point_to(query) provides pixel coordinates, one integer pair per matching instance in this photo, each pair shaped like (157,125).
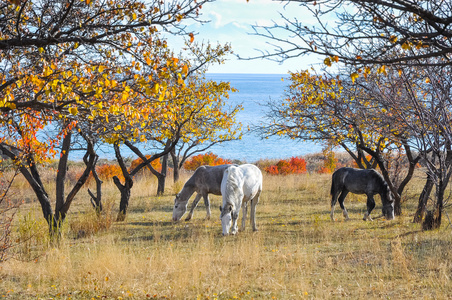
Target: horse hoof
(187,219)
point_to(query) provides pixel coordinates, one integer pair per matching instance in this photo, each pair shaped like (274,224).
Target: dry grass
(297,252)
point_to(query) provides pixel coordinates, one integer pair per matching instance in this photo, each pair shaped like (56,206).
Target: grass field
(297,253)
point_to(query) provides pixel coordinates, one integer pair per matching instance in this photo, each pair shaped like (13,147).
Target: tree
(363,32)
(194,110)
(185,104)
(67,61)
(343,113)
(426,108)
(393,38)
(215,124)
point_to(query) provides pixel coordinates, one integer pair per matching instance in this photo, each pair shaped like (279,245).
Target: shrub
(207,159)
(273,170)
(295,165)
(329,162)
(155,164)
(107,171)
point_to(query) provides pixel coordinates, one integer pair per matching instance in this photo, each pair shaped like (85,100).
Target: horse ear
(230,208)
(221,209)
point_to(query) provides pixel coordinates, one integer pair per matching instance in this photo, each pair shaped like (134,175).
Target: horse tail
(336,185)
(333,189)
(332,186)
(334,182)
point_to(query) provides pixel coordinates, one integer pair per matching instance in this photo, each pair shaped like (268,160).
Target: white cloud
(216,19)
(231,22)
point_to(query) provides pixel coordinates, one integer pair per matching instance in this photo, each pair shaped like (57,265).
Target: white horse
(240,185)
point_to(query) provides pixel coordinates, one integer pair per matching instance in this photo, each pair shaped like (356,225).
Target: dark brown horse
(358,181)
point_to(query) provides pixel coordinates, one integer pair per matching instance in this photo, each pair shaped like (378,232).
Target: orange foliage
(329,163)
(368,158)
(106,172)
(207,159)
(155,164)
(324,170)
(295,165)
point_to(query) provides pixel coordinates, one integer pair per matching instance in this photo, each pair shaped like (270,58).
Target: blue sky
(231,21)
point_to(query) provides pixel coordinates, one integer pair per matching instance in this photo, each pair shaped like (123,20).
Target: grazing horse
(240,185)
(206,180)
(357,181)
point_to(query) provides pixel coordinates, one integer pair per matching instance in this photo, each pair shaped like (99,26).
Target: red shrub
(207,159)
(273,170)
(295,165)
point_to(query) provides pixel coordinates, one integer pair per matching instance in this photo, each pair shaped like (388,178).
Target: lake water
(254,90)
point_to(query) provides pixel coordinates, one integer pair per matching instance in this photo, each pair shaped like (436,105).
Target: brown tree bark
(423,198)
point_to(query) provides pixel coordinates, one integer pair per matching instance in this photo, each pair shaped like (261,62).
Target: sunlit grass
(297,252)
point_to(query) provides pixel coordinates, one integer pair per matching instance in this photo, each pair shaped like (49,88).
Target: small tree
(345,113)
(329,162)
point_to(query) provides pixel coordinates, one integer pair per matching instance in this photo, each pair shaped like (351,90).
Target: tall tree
(67,61)
(183,105)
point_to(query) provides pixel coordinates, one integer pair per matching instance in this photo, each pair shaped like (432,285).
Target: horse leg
(207,204)
(341,203)
(234,227)
(193,206)
(245,210)
(254,202)
(370,207)
(333,203)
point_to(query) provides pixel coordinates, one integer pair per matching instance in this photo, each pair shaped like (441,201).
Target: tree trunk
(124,189)
(433,218)
(96,200)
(31,174)
(60,180)
(161,177)
(176,173)
(423,198)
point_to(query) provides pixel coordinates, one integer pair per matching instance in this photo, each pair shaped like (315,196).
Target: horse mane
(232,183)
(384,186)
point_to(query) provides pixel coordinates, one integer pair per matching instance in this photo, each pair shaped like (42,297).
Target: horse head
(388,205)
(180,207)
(227,213)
